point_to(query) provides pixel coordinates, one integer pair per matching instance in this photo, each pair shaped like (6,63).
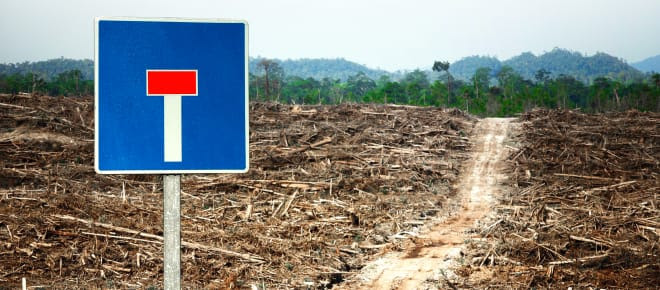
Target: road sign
(171,96)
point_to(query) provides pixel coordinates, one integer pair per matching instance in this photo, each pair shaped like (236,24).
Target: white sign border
(96,95)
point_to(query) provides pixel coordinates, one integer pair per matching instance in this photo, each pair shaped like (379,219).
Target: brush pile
(328,187)
(584,208)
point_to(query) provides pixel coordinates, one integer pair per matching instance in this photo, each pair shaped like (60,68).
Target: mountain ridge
(650,64)
(319,68)
(557,61)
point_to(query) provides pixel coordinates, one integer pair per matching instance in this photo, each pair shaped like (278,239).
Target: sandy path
(435,250)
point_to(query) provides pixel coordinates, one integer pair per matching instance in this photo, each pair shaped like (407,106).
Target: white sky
(383,34)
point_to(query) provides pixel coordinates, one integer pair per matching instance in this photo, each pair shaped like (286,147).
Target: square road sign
(171,96)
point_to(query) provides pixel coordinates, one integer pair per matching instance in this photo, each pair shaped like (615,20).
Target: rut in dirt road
(434,250)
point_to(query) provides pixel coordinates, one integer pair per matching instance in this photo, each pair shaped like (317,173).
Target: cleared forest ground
(430,257)
(582,210)
(328,188)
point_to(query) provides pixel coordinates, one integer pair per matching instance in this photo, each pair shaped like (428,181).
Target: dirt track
(435,250)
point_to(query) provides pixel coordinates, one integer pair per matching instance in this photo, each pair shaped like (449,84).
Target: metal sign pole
(172,232)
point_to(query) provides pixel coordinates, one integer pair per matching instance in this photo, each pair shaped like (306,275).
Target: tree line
(68,83)
(487,93)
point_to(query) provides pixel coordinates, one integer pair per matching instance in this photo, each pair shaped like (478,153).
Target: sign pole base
(172,232)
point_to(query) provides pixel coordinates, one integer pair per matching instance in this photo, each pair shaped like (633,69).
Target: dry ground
(328,188)
(582,209)
(387,197)
(433,254)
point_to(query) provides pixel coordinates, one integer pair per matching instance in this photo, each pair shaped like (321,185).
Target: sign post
(172,231)
(198,68)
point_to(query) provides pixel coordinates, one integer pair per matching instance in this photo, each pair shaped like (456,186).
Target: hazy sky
(381,34)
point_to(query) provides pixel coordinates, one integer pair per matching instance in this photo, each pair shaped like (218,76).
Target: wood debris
(584,207)
(328,188)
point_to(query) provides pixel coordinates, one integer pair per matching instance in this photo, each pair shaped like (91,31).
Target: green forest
(68,83)
(504,92)
(483,86)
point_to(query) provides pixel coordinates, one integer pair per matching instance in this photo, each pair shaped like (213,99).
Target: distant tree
(416,84)
(266,65)
(67,83)
(383,80)
(503,75)
(302,91)
(600,93)
(273,76)
(358,85)
(15,83)
(3,83)
(326,90)
(337,92)
(76,77)
(481,79)
(437,91)
(656,79)
(393,92)
(493,101)
(254,86)
(542,75)
(379,95)
(38,84)
(440,66)
(510,81)
(567,90)
(444,66)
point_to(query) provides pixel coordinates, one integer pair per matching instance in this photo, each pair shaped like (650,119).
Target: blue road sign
(171,96)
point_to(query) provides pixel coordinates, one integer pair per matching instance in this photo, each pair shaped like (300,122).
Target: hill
(315,68)
(651,64)
(558,61)
(465,68)
(584,68)
(49,69)
(320,68)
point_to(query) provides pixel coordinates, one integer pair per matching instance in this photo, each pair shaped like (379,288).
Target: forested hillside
(321,68)
(556,62)
(651,64)
(49,69)
(465,68)
(316,68)
(481,85)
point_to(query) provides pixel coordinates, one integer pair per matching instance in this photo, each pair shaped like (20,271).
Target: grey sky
(381,34)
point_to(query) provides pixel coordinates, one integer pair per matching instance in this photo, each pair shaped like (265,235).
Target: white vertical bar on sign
(172,115)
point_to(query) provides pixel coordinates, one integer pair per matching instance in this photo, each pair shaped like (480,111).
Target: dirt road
(428,263)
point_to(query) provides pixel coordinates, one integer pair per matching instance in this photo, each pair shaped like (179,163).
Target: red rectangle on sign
(171,82)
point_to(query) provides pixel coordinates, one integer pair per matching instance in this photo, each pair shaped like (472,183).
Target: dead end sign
(171,96)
